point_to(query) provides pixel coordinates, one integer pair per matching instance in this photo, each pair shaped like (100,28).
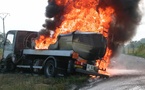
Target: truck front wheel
(9,66)
(50,69)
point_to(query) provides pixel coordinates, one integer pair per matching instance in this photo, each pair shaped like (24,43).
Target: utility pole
(3,16)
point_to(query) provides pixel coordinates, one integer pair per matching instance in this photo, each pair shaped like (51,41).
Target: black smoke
(125,21)
(52,13)
(52,9)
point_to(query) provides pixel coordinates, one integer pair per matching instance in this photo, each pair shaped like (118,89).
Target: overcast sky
(24,14)
(29,15)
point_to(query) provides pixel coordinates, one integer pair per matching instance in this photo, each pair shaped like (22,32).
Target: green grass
(140,53)
(29,82)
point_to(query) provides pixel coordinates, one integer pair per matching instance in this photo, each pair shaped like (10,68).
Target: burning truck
(71,53)
(78,36)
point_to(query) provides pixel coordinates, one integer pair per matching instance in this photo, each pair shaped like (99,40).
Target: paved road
(127,73)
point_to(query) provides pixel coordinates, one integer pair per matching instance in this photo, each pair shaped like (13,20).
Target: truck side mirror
(3,43)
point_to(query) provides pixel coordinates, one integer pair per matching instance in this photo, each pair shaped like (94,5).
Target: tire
(10,66)
(37,62)
(50,69)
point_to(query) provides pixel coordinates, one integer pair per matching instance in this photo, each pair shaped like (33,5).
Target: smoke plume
(126,19)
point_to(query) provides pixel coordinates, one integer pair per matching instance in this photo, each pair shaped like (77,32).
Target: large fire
(79,15)
(82,15)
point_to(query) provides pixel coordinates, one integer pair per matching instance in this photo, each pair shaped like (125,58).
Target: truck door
(8,45)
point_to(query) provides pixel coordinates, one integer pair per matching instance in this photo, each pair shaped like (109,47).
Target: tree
(132,45)
(1,39)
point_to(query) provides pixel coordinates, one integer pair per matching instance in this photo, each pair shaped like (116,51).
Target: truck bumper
(91,73)
(86,72)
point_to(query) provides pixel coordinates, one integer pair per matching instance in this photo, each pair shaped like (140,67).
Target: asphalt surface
(127,73)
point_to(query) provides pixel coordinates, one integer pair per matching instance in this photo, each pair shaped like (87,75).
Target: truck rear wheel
(50,69)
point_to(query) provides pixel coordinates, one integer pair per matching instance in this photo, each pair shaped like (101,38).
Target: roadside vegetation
(26,81)
(136,48)
(140,51)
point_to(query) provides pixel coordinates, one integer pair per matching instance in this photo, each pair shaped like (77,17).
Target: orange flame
(102,64)
(81,15)
(43,42)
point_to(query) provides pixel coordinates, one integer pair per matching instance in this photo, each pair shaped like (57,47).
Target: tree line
(136,48)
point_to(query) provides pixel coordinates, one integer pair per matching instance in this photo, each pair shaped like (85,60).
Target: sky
(30,15)
(24,14)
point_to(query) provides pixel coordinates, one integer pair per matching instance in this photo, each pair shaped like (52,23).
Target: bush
(140,51)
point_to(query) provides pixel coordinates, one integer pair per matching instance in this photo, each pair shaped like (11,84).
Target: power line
(3,16)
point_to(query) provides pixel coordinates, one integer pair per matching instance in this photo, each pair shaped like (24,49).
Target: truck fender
(9,57)
(48,58)
(8,63)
